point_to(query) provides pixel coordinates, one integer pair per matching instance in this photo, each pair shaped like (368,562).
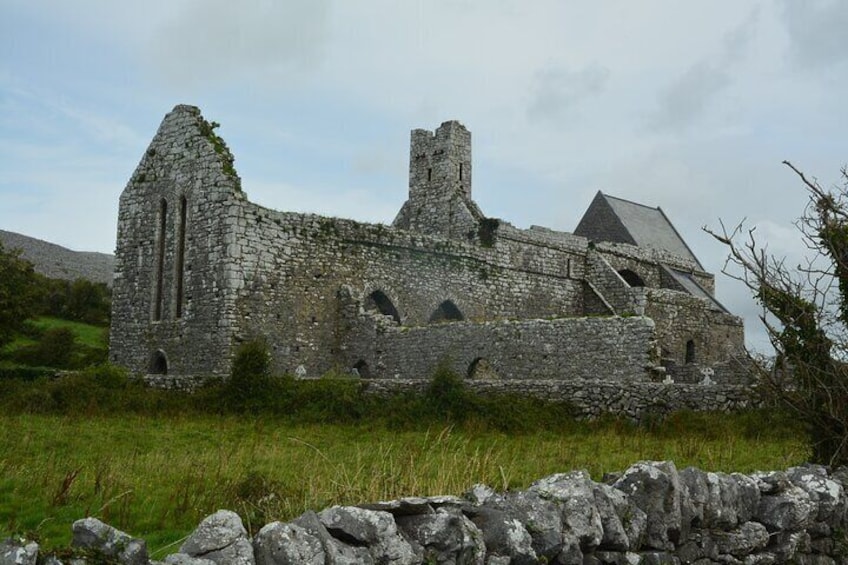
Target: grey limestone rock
(416,505)
(220,538)
(446,537)
(504,536)
(791,510)
(574,493)
(785,545)
(616,558)
(93,534)
(186,559)
(624,524)
(18,552)
(543,520)
(827,494)
(479,494)
(336,552)
(373,529)
(654,487)
(743,540)
(772,482)
(287,544)
(718,500)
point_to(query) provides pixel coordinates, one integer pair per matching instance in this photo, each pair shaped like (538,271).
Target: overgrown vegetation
(805,310)
(220,146)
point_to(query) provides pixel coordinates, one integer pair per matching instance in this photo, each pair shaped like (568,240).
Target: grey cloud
(557,91)
(216,40)
(817,31)
(687,97)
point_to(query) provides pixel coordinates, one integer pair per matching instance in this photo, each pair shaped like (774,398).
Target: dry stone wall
(649,514)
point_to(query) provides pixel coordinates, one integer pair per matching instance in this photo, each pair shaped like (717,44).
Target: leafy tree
(805,311)
(17,292)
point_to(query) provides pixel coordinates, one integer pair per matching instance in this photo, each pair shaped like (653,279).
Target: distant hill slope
(58,262)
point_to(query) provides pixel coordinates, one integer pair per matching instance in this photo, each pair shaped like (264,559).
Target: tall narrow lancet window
(180,262)
(160,261)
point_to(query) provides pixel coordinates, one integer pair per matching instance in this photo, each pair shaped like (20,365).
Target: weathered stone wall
(623,298)
(716,335)
(289,268)
(619,349)
(594,397)
(172,297)
(646,261)
(200,269)
(649,514)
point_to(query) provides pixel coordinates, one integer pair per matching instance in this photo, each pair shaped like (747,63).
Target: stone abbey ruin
(200,269)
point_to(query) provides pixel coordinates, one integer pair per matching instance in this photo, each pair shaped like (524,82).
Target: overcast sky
(683,105)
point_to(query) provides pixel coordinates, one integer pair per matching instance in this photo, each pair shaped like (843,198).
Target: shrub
(250,387)
(447,396)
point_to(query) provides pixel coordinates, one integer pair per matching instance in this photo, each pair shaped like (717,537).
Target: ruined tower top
(440,161)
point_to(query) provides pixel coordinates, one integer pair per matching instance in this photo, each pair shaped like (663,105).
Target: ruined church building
(200,269)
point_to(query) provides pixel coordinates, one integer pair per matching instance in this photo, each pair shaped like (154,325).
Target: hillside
(58,262)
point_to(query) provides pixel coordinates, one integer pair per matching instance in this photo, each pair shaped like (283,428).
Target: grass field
(157,477)
(84,334)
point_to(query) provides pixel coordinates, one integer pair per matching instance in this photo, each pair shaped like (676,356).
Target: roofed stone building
(201,269)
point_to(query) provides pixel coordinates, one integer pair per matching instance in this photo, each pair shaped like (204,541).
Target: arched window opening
(377,301)
(446,312)
(160,260)
(360,368)
(631,278)
(158,363)
(181,236)
(690,351)
(481,369)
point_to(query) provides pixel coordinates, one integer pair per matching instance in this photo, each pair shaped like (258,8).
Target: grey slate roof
(690,285)
(621,221)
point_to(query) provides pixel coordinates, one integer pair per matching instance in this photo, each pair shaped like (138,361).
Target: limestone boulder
(741,541)
(445,536)
(574,494)
(790,510)
(373,529)
(91,533)
(287,544)
(336,552)
(220,538)
(718,500)
(828,495)
(505,537)
(18,552)
(654,487)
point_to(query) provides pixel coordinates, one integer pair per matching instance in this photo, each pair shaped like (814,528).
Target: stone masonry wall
(679,318)
(619,349)
(200,269)
(171,294)
(652,513)
(289,269)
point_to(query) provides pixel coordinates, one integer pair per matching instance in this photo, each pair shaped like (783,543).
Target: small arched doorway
(360,369)
(158,363)
(446,312)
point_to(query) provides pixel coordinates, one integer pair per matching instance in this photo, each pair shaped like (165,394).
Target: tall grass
(154,463)
(156,477)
